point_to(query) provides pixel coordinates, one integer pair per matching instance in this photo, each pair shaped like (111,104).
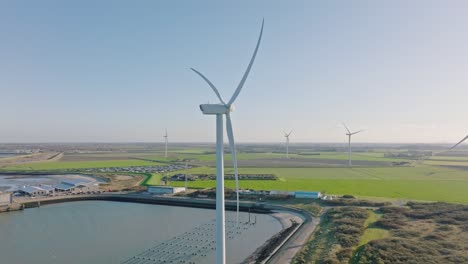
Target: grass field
(447,162)
(60,165)
(417,183)
(201,156)
(454,158)
(372,233)
(428,181)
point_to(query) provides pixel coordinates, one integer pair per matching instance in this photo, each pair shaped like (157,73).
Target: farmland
(417,183)
(63,165)
(437,178)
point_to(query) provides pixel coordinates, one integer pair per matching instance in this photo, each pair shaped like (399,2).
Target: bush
(414,240)
(344,254)
(347,241)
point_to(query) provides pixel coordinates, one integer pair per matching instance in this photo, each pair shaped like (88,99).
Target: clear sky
(73,71)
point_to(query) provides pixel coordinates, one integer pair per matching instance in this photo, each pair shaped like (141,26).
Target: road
(287,252)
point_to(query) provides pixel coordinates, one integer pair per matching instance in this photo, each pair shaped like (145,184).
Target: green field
(447,162)
(201,156)
(417,183)
(60,165)
(427,181)
(370,232)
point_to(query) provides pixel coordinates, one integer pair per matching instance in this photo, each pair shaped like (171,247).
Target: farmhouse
(165,189)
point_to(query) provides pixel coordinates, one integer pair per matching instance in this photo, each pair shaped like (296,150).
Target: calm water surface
(111,232)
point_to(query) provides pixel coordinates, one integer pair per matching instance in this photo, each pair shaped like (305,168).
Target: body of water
(113,232)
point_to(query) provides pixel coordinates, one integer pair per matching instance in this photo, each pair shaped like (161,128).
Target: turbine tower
(165,143)
(186,168)
(349,134)
(286,135)
(461,141)
(221,110)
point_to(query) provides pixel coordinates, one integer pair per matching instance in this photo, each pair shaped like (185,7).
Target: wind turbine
(286,135)
(349,134)
(461,141)
(186,168)
(165,143)
(220,110)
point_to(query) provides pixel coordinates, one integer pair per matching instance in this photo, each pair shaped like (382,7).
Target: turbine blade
(461,141)
(210,84)
(232,145)
(290,132)
(357,132)
(247,71)
(346,128)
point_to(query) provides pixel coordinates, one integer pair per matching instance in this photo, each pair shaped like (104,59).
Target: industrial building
(36,190)
(165,189)
(298,194)
(66,186)
(77,186)
(308,195)
(282,193)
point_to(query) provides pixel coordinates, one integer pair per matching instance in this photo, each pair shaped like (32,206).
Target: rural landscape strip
(337,231)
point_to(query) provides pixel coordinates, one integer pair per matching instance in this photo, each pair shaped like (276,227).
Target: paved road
(296,242)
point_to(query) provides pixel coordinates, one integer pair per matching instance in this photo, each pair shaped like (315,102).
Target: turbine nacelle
(216,109)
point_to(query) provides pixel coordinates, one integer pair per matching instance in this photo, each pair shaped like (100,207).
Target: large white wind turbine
(286,135)
(461,141)
(165,143)
(349,134)
(220,110)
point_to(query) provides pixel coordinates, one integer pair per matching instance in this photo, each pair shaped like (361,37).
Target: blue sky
(119,70)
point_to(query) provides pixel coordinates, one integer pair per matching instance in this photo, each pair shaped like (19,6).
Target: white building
(165,189)
(6,198)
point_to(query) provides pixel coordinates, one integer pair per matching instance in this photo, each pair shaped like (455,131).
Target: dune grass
(371,232)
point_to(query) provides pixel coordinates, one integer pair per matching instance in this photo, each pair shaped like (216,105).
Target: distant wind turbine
(286,135)
(349,134)
(165,143)
(221,110)
(461,141)
(186,169)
